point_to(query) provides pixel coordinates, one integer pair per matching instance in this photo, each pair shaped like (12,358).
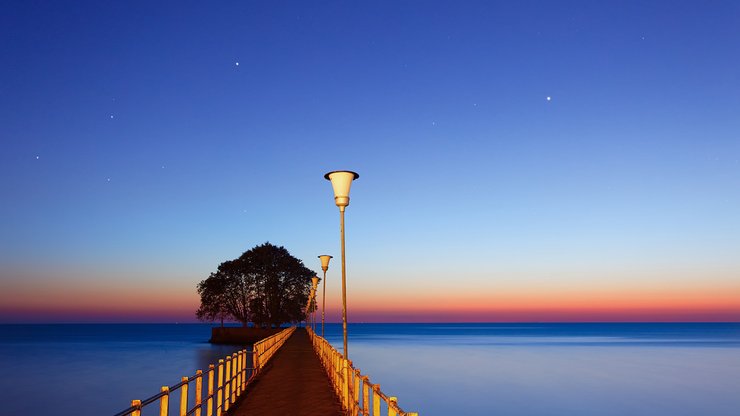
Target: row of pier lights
(341,181)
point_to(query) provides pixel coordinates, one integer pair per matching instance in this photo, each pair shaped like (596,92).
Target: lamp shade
(325,261)
(315,281)
(341,180)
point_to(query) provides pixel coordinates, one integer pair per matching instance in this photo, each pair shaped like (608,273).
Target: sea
(532,369)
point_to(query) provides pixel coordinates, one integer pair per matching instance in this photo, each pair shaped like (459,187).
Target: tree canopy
(266,286)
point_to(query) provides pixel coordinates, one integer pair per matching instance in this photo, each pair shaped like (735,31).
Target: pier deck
(293,384)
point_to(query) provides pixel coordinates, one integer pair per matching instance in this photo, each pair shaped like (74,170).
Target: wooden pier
(294,372)
(294,383)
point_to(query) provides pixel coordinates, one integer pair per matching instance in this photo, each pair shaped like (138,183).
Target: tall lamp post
(341,180)
(324,266)
(315,283)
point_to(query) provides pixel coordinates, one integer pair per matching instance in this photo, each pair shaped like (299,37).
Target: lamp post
(308,310)
(308,307)
(324,266)
(341,180)
(315,283)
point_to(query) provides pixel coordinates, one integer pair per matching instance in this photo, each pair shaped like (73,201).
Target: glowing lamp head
(315,282)
(341,180)
(325,261)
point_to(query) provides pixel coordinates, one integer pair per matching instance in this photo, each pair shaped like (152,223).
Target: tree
(212,304)
(266,285)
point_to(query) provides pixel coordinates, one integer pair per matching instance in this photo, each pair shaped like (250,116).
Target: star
(548,98)
(111,116)
(108,180)
(237,64)
(37,158)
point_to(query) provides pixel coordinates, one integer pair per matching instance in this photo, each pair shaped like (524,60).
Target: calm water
(435,369)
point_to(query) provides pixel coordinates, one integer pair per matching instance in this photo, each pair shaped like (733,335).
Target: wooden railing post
(227,385)
(356,395)
(392,405)
(376,400)
(198,392)
(338,374)
(220,388)
(345,384)
(137,405)
(209,403)
(365,396)
(238,375)
(184,397)
(234,376)
(164,401)
(243,371)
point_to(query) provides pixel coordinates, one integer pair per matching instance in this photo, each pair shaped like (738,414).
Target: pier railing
(358,395)
(225,382)
(265,349)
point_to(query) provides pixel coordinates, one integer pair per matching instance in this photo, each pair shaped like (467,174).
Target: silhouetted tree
(265,285)
(212,305)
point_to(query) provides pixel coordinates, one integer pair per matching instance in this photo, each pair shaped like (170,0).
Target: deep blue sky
(137,154)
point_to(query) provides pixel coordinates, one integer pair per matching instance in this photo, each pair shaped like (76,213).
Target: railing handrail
(350,385)
(232,381)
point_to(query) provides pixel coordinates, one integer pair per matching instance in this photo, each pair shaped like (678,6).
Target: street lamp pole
(341,182)
(324,266)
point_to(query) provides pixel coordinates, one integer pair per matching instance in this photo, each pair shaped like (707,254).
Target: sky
(518,161)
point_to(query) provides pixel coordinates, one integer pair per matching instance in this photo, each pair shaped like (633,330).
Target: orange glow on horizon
(121,301)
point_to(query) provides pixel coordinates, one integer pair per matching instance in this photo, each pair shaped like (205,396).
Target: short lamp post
(324,266)
(341,181)
(308,307)
(315,283)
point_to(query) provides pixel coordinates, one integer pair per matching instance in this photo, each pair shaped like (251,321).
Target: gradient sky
(143,143)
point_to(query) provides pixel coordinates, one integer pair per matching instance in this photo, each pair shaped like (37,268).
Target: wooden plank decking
(294,383)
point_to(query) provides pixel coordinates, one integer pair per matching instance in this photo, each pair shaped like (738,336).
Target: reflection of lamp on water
(315,283)
(324,266)
(341,180)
